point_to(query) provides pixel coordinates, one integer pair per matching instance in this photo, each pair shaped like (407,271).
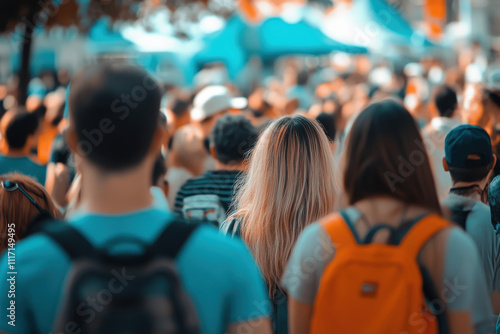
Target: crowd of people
(309,197)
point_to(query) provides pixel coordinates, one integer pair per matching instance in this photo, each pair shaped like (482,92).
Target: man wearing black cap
(470,161)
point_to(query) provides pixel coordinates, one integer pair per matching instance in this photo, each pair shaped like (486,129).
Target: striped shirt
(217,182)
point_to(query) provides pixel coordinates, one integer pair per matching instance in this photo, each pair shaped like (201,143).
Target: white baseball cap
(214,99)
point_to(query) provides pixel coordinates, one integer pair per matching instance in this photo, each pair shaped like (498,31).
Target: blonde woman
(289,185)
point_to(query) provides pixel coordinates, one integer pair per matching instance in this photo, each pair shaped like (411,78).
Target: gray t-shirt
(314,250)
(478,226)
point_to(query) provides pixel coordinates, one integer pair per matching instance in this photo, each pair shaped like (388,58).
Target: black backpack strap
(374,230)
(459,215)
(348,222)
(280,316)
(175,235)
(71,241)
(428,288)
(234,228)
(39,223)
(399,233)
(431,295)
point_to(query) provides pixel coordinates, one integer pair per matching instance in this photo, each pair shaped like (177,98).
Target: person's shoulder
(480,217)
(34,161)
(482,209)
(314,238)
(32,243)
(224,173)
(428,130)
(207,248)
(457,236)
(36,252)
(211,243)
(195,181)
(211,236)
(314,230)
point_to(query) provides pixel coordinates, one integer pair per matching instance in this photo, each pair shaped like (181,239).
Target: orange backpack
(375,288)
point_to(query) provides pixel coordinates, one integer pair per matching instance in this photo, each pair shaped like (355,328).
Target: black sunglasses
(12,186)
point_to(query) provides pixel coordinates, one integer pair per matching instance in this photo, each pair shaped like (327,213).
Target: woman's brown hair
(16,209)
(386,156)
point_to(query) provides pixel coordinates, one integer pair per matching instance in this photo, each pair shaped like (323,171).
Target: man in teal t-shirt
(114,129)
(19,130)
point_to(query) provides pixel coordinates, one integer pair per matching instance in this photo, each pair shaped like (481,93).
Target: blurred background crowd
(229,71)
(262,59)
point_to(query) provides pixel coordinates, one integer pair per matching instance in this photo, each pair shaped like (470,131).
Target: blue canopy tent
(224,46)
(275,37)
(42,59)
(376,25)
(102,39)
(396,25)
(272,38)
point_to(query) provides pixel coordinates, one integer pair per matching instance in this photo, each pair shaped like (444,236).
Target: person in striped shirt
(231,140)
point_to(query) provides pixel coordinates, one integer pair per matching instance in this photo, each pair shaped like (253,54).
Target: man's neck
(476,189)
(233,167)
(17,152)
(116,193)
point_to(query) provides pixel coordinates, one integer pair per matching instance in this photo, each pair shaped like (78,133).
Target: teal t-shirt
(23,165)
(218,273)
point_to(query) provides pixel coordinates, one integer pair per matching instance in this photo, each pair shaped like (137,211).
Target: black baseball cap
(464,141)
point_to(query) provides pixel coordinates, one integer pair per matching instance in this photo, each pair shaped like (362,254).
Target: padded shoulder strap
(421,232)
(71,241)
(40,223)
(338,230)
(459,215)
(174,236)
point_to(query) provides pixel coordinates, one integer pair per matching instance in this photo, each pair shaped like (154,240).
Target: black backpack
(106,293)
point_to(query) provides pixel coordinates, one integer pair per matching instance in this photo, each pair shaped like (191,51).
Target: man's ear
(494,161)
(30,142)
(158,138)
(445,165)
(166,189)
(212,152)
(433,109)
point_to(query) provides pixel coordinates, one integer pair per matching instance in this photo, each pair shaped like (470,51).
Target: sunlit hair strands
(290,184)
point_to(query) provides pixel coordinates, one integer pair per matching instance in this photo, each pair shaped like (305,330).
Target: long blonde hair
(289,185)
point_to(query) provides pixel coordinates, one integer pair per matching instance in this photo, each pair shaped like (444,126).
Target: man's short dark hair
(327,121)
(23,125)
(114,110)
(445,100)
(469,174)
(233,137)
(180,106)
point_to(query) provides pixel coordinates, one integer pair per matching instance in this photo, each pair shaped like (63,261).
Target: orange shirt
(45,143)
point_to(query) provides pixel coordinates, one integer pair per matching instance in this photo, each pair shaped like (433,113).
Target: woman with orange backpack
(388,264)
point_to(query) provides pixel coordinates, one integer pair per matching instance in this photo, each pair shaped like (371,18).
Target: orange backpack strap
(421,232)
(338,230)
